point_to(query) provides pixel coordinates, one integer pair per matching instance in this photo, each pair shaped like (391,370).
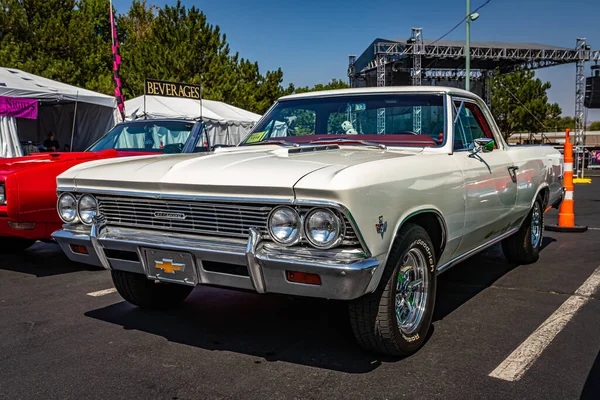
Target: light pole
(470,17)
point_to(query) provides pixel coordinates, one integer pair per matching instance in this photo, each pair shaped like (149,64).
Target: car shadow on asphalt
(464,281)
(591,388)
(42,260)
(302,331)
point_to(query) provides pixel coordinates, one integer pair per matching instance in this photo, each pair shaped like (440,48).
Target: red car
(28,184)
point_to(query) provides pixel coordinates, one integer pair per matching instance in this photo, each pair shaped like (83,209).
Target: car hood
(41,160)
(258,171)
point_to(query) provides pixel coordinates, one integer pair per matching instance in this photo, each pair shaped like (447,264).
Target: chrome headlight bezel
(59,208)
(292,239)
(84,218)
(339,231)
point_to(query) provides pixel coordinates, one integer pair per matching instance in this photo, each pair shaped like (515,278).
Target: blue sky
(311,40)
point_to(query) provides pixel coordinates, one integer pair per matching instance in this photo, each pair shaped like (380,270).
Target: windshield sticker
(256,137)
(360,107)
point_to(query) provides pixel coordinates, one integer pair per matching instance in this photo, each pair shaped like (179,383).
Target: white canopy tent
(74,114)
(225,124)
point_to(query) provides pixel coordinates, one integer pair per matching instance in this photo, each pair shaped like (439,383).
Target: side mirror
(484,145)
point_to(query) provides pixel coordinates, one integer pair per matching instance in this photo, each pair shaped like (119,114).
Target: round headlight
(67,207)
(284,225)
(322,228)
(87,208)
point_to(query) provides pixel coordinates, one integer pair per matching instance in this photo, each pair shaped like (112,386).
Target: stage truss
(431,60)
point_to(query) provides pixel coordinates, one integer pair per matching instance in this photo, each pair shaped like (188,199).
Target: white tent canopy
(225,124)
(59,105)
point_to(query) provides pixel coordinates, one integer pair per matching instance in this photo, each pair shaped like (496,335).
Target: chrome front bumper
(345,275)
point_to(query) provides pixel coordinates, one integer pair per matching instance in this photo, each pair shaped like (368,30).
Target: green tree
(66,40)
(333,84)
(594,126)
(178,44)
(70,41)
(520,103)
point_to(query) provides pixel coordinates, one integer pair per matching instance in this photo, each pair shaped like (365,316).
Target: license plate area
(170,266)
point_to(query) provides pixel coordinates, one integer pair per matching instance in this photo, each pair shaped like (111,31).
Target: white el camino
(363,195)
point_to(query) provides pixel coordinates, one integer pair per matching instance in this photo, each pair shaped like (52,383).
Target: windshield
(147,136)
(392,119)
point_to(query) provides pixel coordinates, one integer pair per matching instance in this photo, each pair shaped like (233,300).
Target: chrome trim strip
(440,220)
(254,268)
(476,250)
(359,92)
(98,228)
(263,200)
(340,255)
(60,189)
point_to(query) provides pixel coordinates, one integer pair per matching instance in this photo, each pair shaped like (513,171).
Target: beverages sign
(153,87)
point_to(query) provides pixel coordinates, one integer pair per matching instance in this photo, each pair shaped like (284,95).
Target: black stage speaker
(592,92)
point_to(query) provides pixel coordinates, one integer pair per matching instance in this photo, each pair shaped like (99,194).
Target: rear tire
(15,245)
(146,293)
(524,246)
(379,320)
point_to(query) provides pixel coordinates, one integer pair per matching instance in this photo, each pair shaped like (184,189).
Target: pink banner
(18,107)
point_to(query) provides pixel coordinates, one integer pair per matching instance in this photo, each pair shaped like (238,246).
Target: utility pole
(468,49)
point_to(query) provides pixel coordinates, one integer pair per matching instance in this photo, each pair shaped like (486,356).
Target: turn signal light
(22,226)
(79,249)
(303,277)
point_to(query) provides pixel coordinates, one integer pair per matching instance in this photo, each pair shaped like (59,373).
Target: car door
(490,184)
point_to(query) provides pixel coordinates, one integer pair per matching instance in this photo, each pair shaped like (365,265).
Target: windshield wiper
(279,142)
(350,141)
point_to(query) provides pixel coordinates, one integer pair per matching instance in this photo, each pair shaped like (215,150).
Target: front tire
(395,319)
(524,246)
(146,293)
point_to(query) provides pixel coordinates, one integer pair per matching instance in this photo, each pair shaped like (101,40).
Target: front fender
(400,222)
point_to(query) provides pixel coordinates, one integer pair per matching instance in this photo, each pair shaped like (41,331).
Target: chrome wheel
(536,225)
(411,291)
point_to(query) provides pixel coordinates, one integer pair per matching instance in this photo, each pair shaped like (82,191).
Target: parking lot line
(102,292)
(520,360)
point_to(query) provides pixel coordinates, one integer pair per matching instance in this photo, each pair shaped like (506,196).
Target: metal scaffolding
(579,101)
(400,62)
(508,57)
(380,82)
(417,51)
(351,70)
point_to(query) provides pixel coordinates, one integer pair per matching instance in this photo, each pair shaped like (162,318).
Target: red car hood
(41,160)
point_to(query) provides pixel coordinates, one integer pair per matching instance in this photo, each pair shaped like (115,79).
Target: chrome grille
(350,238)
(220,219)
(201,217)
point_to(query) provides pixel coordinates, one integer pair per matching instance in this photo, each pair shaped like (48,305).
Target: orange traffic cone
(566,213)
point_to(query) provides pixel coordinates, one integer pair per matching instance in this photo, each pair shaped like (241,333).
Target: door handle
(512,170)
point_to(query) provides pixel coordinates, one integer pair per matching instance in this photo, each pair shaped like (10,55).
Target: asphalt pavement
(65,335)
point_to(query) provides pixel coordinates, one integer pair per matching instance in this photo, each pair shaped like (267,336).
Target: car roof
(379,90)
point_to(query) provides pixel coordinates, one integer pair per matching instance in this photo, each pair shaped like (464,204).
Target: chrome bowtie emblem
(169,215)
(381,226)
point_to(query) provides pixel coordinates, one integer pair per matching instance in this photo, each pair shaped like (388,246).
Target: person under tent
(51,144)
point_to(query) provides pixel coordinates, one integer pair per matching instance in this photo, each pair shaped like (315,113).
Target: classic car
(363,195)
(28,184)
